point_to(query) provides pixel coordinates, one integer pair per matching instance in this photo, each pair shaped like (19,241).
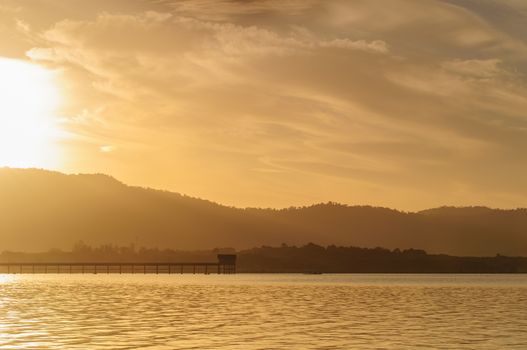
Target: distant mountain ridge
(41,209)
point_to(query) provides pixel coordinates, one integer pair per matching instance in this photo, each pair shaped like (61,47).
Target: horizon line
(444,206)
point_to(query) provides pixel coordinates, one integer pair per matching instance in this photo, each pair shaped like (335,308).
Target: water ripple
(263,312)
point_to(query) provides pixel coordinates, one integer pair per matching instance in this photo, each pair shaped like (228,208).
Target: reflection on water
(263,311)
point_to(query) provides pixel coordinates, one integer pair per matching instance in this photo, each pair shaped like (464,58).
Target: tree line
(308,258)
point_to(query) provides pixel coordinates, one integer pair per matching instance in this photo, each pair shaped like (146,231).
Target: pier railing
(226,264)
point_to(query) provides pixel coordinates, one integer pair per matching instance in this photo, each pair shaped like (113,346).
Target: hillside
(42,209)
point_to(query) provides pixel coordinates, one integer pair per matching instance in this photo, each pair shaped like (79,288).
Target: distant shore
(309,259)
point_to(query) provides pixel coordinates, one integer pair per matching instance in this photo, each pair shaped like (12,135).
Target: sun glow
(29,99)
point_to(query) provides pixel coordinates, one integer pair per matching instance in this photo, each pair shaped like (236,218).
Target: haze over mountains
(40,210)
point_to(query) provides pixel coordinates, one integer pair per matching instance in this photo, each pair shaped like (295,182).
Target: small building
(227,263)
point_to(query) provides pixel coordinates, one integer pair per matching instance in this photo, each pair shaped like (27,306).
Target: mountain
(41,209)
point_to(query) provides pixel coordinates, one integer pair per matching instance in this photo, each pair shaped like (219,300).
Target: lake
(257,311)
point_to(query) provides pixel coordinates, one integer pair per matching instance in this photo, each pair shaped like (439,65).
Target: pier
(226,264)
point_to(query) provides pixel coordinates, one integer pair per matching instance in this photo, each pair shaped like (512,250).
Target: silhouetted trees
(338,259)
(289,258)
(83,252)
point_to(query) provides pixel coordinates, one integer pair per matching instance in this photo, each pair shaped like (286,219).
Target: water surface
(247,311)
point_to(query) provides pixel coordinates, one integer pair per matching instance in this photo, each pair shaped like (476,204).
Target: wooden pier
(226,264)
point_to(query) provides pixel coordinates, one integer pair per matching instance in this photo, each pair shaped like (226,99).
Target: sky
(405,104)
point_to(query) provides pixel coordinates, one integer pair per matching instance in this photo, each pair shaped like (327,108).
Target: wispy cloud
(385,101)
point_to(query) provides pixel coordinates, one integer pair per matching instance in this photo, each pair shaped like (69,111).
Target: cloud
(23,26)
(475,68)
(379,99)
(107,149)
(222,10)
(375,46)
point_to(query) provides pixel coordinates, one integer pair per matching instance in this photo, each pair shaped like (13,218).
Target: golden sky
(407,104)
